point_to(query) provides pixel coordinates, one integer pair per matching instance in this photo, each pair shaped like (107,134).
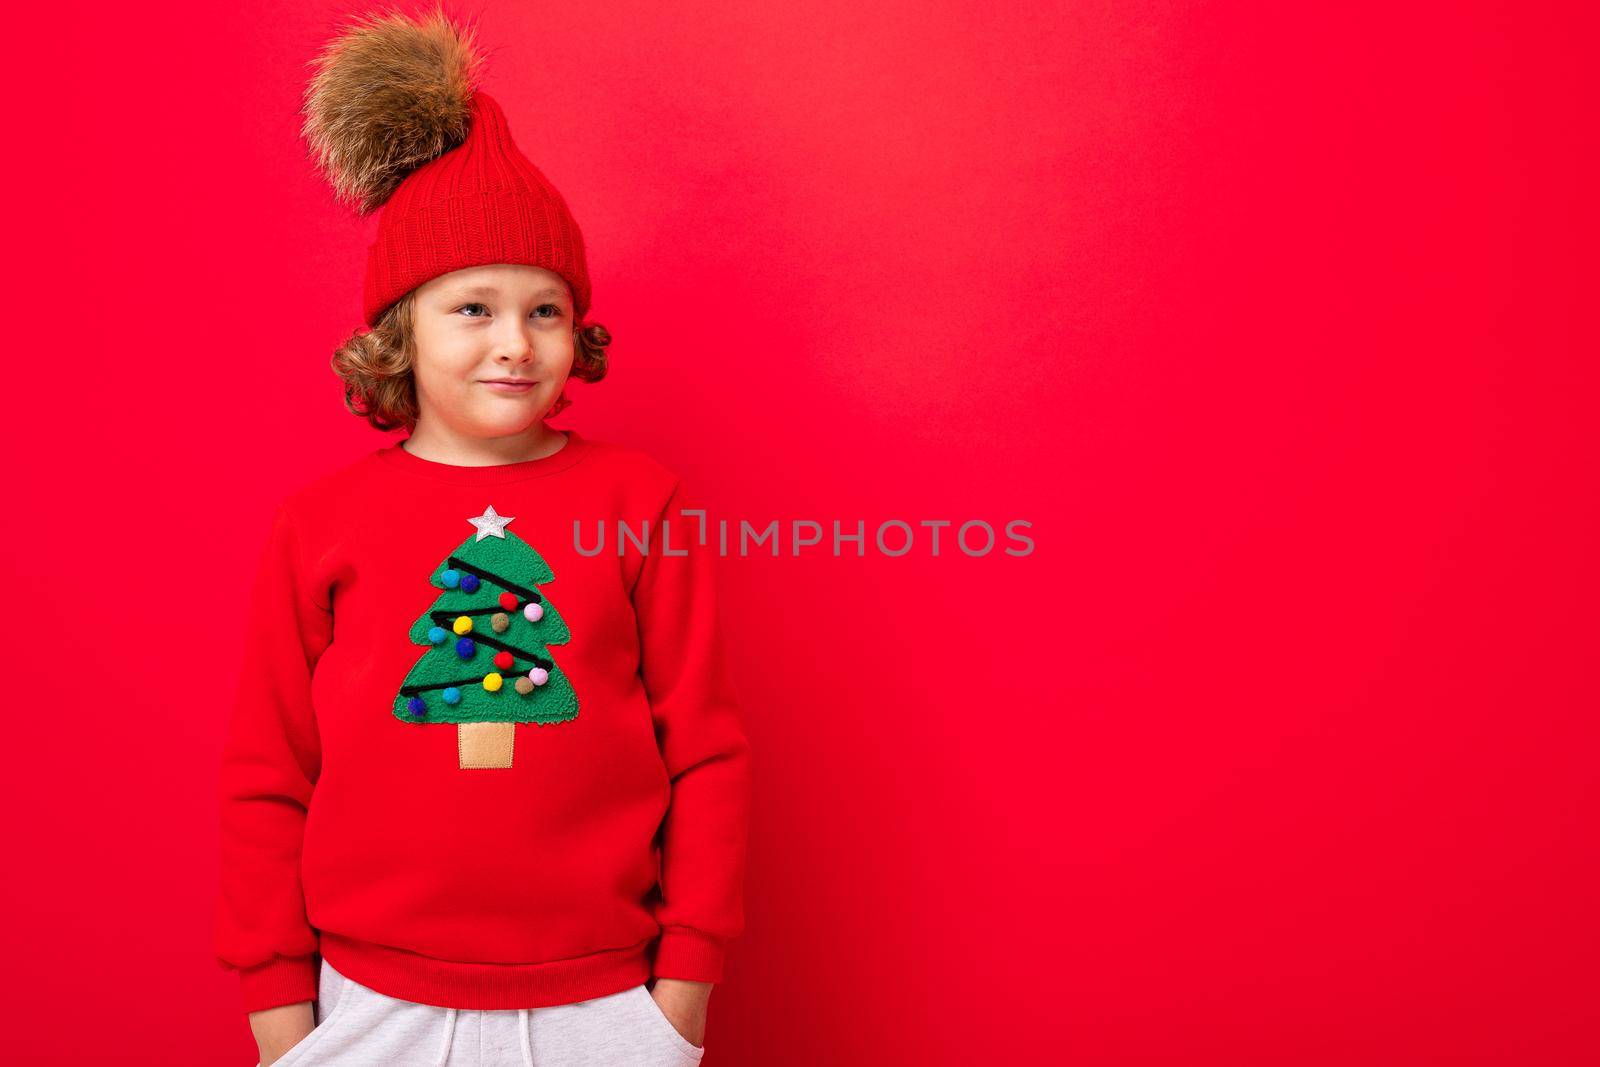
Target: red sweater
(472,761)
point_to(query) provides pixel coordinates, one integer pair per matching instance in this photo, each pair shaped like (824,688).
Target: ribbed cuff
(282,980)
(689,954)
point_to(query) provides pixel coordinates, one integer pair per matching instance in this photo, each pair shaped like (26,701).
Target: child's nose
(514,346)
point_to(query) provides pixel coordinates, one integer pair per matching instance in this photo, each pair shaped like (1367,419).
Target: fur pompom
(390,93)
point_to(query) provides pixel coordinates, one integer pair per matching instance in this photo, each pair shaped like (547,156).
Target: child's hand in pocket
(277,1030)
(684,1004)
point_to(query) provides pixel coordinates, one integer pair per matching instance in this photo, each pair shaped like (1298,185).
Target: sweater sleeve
(707,757)
(270,762)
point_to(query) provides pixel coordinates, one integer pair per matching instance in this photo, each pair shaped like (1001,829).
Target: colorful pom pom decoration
(538,676)
(469,583)
(504,660)
(437,635)
(466,647)
(451,695)
(492,682)
(450,579)
(463,624)
(524,686)
(533,612)
(500,621)
(417,707)
(508,601)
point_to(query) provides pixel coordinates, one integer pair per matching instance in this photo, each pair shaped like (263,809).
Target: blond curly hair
(376,367)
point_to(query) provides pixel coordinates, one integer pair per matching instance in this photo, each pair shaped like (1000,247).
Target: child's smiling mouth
(510,385)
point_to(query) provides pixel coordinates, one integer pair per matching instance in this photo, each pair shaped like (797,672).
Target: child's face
(483,323)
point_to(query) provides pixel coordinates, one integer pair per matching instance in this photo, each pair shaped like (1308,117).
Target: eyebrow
(489,290)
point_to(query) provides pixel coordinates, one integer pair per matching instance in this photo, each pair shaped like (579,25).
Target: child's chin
(505,424)
(502,406)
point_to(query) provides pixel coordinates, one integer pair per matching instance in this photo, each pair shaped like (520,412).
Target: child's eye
(543,311)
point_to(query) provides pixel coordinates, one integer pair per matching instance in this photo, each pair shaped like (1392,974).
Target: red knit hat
(482,202)
(396,121)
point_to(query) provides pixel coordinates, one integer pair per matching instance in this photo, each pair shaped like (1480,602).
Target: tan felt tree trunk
(485,744)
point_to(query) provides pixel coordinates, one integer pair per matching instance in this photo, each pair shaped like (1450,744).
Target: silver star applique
(490,525)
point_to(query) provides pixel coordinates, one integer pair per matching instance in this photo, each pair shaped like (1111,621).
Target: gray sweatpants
(360,1027)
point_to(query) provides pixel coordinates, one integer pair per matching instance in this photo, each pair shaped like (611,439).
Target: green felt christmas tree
(488,635)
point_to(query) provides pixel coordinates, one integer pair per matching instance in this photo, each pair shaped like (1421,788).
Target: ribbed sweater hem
(422,979)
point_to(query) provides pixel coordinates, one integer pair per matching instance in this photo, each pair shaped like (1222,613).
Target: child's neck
(443,446)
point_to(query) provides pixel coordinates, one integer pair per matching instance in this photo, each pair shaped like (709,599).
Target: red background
(1273,751)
